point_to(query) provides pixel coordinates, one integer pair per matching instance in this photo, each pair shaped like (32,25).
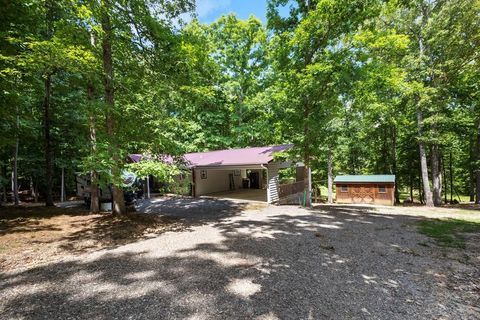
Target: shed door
(363,193)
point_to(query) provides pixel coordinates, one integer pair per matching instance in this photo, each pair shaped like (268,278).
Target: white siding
(272,177)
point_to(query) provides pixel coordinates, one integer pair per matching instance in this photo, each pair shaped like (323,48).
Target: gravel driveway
(264,263)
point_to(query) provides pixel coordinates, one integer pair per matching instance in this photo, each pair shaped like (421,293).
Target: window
(382,189)
(344,188)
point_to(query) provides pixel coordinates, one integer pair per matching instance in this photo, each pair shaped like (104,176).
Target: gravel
(265,263)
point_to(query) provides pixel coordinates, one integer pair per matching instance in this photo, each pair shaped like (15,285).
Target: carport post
(194,186)
(269,194)
(148,187)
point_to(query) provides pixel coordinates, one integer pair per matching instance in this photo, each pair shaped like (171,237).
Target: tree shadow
(152,217)
(282,262)
(110,231)
(463,206)
(40,212)
(191,210)
(25,226)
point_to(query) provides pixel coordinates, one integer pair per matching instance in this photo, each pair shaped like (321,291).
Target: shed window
(344,188)
(382,189)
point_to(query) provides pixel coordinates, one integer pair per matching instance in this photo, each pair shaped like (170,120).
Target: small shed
(373,189)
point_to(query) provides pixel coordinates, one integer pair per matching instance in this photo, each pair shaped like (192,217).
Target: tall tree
(117,193)
(311,51)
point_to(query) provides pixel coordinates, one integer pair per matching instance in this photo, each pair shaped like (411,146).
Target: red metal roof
(230,157)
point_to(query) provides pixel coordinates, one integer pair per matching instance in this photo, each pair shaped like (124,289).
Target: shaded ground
(264,263)
(195,210)
(33,234)
(242,194)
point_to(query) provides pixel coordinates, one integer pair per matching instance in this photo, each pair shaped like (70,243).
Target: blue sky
(210,10)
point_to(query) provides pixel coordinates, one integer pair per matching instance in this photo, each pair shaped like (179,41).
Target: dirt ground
(33,234)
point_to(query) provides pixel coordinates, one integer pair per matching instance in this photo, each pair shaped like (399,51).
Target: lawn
(449,232)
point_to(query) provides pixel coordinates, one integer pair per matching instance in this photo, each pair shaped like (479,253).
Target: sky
(209,10)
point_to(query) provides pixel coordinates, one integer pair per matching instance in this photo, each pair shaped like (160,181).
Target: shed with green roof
(372,189)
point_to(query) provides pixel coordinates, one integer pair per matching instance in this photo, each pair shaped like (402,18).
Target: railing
(285,190)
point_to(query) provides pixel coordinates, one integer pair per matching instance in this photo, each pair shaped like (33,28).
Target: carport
(245,173)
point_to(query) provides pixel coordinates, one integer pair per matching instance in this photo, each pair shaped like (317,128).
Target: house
(375,189)
(246,173)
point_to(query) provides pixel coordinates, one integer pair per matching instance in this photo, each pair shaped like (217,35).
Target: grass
(406,195)
(449,232)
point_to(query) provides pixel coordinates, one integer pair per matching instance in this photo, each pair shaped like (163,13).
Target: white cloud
(206,7)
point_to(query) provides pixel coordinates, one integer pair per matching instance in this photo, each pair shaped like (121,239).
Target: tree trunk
(62,187)
(49,20)
(411,188)
(35,188)
(94,196)
(306,145)
(451,178)
(472,184)
(306,181)
(394,162)
(420,190)
(421,143)
(4,186)
(471,169)
(330,176)
(444,180)
(32,189)
(477,187)
(436,176)
(48,142)
(118,205)
(477,166)
(423,162)
(15,198)
(306,155)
